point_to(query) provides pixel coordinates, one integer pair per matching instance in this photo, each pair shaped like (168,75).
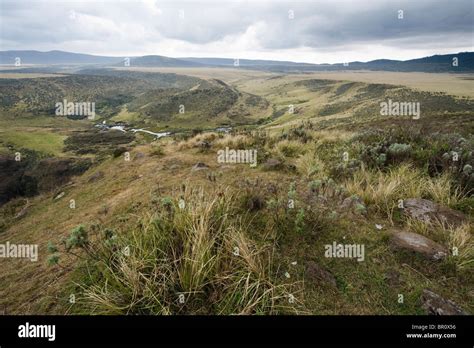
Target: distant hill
(161,61)
(244,62)
(54,57)
(436,63)
(65,58)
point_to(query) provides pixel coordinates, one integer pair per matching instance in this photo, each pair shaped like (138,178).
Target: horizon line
(269,60)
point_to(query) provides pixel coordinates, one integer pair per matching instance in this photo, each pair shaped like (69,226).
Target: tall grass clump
(290,148)
(457,239)
(382,190)
(462,242)
(194,256)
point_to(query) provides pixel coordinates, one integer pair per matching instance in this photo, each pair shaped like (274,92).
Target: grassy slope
(127,191)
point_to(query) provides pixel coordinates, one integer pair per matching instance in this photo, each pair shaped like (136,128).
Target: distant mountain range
(54,57)
(159,61)
(437,63)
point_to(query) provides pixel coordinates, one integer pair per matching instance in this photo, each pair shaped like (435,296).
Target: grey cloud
(316,24)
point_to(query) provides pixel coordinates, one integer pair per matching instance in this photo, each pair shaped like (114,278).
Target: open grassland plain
(130,224)
(455,84)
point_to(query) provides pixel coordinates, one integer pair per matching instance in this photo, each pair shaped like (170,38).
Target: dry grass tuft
(194,260)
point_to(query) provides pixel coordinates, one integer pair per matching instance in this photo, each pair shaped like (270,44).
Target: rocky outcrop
(428,211)
(200,166)
(272,164)
(435,304)
(418,244)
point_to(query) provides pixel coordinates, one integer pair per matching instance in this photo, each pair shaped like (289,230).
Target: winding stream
(157,135)
(133,130)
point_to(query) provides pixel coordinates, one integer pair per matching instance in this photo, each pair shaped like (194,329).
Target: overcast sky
(317,31)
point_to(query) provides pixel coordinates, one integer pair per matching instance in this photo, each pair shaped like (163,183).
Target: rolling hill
(436,63)
(54,57)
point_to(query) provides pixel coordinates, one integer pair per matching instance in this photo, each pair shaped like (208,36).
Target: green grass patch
(41,141)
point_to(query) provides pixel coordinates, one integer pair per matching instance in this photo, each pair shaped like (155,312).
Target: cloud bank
(325,31)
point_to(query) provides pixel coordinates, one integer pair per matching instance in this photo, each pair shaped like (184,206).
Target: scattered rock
(346,203)
(139,155)
(354,204)
(24,211)
(59,195)
(419,244)
(272,164)
(428,211)
(393,278)
(96,176)
(316,273)
(204,145)
(435,304)
(200,166)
